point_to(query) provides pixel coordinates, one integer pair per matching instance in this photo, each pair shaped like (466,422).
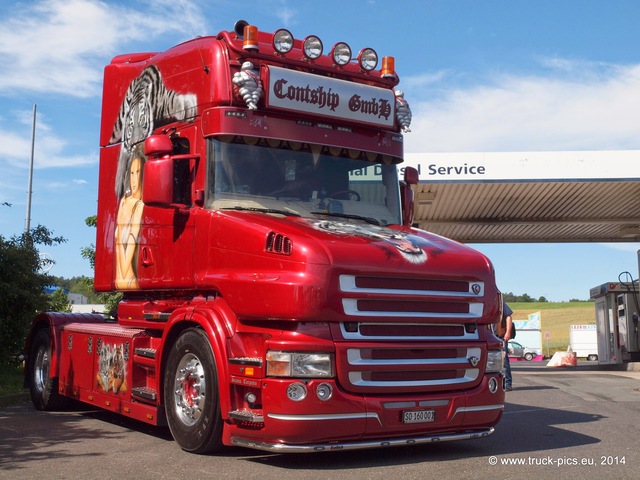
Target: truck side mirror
(158,171)
(157,182)
(158,146)
(411,177)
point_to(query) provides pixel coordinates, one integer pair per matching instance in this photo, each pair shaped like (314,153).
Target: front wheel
(528,357)
(43,388)
(191,394)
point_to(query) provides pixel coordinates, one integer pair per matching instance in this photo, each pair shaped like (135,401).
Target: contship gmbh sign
(329,97)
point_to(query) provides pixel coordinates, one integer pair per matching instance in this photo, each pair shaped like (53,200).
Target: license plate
(418,416)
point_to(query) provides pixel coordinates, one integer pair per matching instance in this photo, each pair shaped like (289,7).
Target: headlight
(308,365)
(495,361)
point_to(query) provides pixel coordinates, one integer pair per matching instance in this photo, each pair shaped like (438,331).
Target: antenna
(193,33)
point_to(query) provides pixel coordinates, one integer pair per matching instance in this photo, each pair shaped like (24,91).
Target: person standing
(504,330)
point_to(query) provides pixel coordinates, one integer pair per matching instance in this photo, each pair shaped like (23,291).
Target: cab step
(144,394)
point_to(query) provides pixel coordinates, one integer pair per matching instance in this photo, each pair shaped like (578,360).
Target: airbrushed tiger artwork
(112,368)
(147,105)
(410,247)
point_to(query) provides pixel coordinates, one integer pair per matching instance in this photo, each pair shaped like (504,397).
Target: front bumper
(358,445)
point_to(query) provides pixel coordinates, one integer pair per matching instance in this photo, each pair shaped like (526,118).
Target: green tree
(110,300)
(22,288)
(59,301)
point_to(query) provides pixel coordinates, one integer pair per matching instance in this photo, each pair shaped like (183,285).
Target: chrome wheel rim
(189,389)
(41,369)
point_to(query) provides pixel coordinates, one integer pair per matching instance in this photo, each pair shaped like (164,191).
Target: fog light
(250,398)
(324,391)
(296,391)
(493,385)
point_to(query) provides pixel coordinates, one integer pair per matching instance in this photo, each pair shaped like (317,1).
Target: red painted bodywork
(209,268)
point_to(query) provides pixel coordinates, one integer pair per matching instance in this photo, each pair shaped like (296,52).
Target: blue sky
(479,76)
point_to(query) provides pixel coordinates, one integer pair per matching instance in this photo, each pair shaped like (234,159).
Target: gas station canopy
(529,197)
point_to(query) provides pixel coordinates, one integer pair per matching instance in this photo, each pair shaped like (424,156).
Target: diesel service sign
(329,97)
(473,167)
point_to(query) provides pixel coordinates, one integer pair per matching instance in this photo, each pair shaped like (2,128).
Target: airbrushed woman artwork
(128,223)
(147,105)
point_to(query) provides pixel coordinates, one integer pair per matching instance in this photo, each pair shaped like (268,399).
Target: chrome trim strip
(354,357)
(433,403)
(328,416)
(350,306)
(470,375)
(348,285)
(358,336)
(479,408)
(394,405)
(422,403)
(359,445)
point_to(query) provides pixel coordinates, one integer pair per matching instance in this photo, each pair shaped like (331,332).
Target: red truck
(254,212)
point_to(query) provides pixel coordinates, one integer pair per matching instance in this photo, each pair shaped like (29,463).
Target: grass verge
(12,380)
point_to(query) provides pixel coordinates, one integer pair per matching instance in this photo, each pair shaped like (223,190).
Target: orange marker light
(388,67)
(250,38)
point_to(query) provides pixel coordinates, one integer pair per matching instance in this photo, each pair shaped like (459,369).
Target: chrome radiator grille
(366,296)
(429,344)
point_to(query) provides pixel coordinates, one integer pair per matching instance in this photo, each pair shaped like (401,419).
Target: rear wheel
(191,394)
(43,388)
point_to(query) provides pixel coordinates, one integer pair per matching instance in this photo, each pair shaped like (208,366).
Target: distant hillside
(556,319)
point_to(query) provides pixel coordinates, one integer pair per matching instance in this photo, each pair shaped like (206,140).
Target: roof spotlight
(312,47)
(282,41)
(368,59)
(341,53)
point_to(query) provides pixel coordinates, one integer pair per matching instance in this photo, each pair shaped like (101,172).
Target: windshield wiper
(262,210)
(370,220)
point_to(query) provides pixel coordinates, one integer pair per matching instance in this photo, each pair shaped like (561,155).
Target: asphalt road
(573,423)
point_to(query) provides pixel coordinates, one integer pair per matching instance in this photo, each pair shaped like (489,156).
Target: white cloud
(60,46)
(49,147)
(286,15)
(425,80)
(577,106)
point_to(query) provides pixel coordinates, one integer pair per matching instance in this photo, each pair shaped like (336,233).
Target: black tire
(194,419)
(592,358)
(528,357)
(43,388)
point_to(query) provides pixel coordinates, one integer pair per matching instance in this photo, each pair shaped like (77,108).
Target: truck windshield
(302,179)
